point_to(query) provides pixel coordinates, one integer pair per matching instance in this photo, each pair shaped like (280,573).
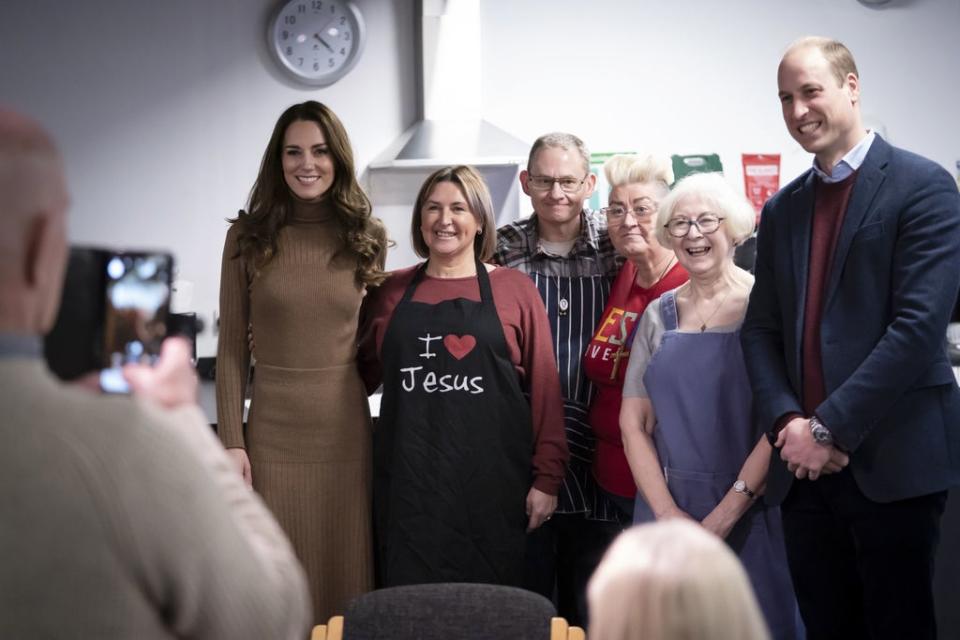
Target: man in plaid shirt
(565,250)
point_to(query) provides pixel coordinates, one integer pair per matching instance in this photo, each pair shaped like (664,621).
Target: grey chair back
(449,611)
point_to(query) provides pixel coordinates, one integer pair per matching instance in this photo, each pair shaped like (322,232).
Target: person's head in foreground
(33,226)
(672,580)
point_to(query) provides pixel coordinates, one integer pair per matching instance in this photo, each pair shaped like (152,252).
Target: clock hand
(324,28)
(323,42)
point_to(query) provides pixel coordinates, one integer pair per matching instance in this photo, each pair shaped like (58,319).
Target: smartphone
(114,310)
(136,308)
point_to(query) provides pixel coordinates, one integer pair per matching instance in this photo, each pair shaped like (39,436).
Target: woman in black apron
(469,449)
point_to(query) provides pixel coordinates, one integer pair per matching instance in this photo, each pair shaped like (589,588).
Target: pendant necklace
(704,321)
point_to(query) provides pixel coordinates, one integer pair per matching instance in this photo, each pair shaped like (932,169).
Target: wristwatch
(741,487)
(821,435)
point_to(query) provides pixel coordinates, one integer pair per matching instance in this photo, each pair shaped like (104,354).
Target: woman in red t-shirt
(637,184)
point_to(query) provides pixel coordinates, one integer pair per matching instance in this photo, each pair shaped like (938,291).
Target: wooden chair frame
(559,630)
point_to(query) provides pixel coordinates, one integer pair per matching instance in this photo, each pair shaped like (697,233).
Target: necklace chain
(662,273)
(704,321)
(621,353)
(670,258)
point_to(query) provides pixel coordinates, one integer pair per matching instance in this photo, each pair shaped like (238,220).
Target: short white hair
(739,216)
(672,580)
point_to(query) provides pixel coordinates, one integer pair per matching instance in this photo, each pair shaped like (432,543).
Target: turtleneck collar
(312,211)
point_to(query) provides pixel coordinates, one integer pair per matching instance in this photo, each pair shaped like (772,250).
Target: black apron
(453,445)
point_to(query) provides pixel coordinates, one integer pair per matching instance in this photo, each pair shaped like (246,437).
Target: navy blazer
(892,398)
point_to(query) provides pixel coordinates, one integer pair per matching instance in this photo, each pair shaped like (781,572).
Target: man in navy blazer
(858,267)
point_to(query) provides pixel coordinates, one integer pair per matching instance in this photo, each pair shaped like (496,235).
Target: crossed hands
(806,458)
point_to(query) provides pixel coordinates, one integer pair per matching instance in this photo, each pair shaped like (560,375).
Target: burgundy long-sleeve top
(829,210)
(528,338)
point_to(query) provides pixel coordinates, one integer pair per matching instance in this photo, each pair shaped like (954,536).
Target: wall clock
(316,42)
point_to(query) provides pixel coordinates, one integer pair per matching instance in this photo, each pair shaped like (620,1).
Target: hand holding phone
(171,381)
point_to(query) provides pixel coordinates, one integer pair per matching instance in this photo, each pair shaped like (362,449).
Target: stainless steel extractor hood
(452,130)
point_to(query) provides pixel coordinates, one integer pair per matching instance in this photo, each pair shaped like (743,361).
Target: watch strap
(820,432)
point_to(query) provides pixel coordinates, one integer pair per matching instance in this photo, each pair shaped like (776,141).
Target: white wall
(699,76)
(162,109)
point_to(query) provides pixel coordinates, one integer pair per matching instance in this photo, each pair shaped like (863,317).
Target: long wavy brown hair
(271,201)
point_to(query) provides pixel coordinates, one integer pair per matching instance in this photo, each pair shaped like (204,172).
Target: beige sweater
(118,520)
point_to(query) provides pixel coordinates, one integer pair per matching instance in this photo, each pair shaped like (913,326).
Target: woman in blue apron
(469,449)
(693,447)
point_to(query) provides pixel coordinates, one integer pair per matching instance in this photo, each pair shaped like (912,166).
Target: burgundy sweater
(830,206)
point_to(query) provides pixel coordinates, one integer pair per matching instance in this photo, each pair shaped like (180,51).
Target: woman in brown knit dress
(295,268)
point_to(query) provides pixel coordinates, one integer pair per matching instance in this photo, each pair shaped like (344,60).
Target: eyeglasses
(617,213)
(706,224)
(569,184)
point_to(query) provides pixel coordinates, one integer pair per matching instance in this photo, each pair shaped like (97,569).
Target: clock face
(317,41)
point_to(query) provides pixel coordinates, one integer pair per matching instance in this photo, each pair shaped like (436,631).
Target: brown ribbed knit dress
(308,431)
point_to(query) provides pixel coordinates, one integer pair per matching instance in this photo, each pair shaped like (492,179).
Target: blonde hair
(623,169)
(837,54)
(672,580)
(739,216)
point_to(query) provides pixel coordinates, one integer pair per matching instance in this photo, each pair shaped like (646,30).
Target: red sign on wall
(761,177)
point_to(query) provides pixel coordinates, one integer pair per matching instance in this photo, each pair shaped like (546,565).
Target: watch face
(740,486)
(821,435)
(317,41)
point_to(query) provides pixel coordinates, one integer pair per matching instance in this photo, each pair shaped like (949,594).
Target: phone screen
(137,305)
